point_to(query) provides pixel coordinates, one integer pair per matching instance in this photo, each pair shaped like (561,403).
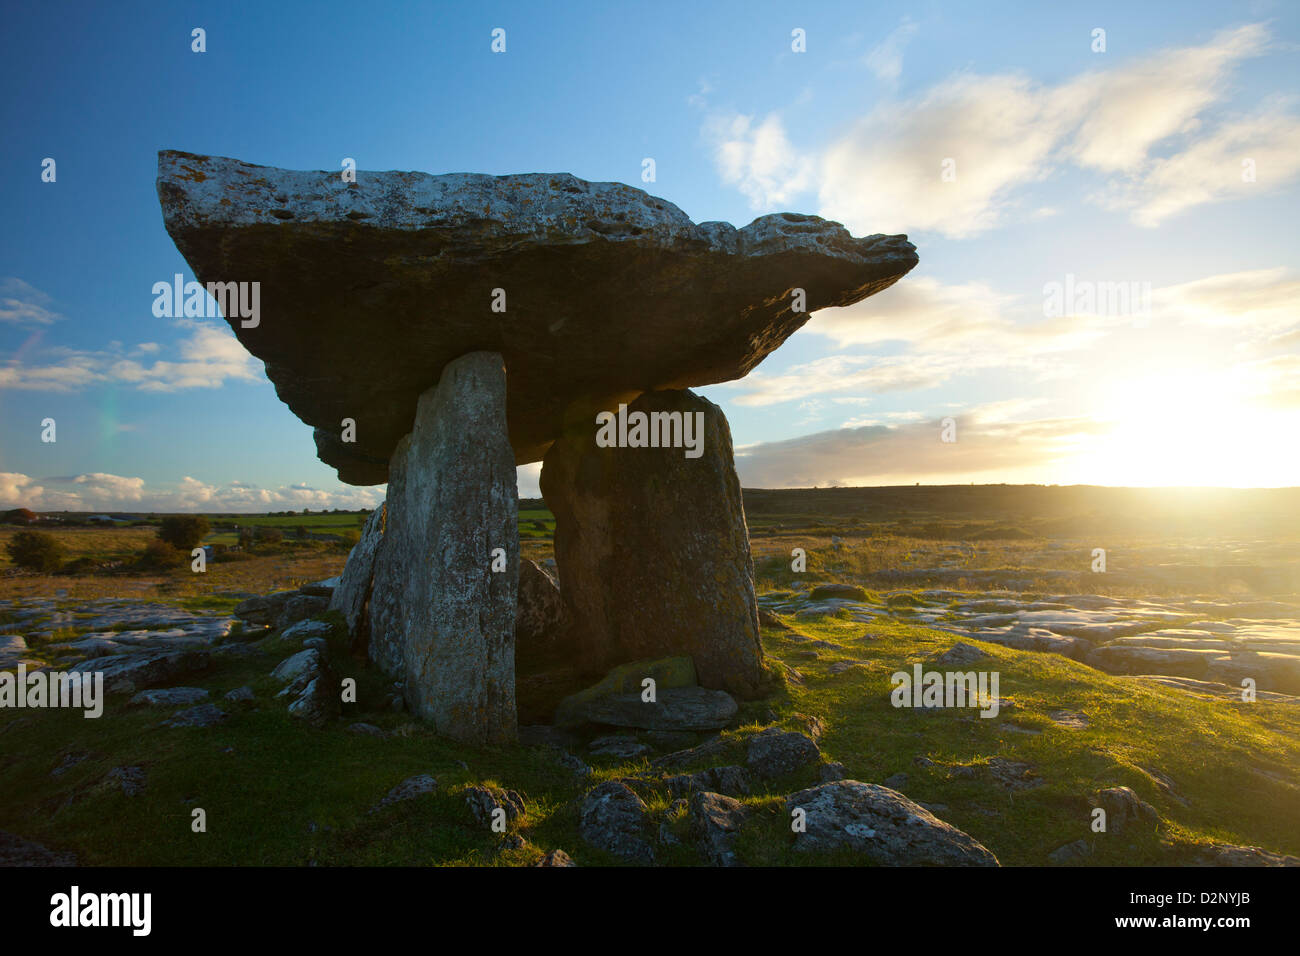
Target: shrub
(183,532)
(18,516)
(349,537)
(270,535)
(36,551)
(159,555)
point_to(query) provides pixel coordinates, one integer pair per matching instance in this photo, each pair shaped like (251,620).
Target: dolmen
(436,331)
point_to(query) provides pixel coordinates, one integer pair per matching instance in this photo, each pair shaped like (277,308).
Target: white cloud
(1146,123)
(209,357)
(886,59)
(22,304)
(758,159)
(106,492)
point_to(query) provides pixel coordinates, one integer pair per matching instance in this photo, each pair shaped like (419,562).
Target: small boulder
(299,607)
(612,818)
(556,858)
(775,753)
(884,826)
(484,802)
(265,609)
(715,821)
(1123,807)
(408,789)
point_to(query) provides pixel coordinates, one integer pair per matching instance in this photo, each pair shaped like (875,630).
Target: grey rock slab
(305,629)
(168,697)
(408,789)
(352,594)
(130,673)
(611,291)
(675,708)
(884,826)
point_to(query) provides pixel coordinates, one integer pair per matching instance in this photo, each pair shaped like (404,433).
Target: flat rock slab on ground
(679,708)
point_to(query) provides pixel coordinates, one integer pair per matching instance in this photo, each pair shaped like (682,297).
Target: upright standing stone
(652,547)
(352,594)
(440,617)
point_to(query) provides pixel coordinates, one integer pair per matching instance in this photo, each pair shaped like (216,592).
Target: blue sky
(1115,166)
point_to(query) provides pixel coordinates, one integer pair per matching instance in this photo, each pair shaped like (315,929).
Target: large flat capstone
(443,597)
(592,292)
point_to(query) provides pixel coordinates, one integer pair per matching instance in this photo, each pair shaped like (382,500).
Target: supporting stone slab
(440,618)
(652,547)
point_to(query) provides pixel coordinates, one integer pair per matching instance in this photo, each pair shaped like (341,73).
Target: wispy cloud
(208,357)
(958,156)
(23,304)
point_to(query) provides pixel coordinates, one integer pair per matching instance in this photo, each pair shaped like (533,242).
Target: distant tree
(270,535)
(19,516)
(184,532)
(301,532)
(36,551)
(245,537)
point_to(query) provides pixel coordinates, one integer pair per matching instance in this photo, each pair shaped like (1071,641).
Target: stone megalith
(392,309)
(444,589)
(592,292)
(651,544)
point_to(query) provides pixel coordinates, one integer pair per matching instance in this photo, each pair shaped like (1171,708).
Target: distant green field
(313,522)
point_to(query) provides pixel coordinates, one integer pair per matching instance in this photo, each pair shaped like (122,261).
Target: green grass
(264,780)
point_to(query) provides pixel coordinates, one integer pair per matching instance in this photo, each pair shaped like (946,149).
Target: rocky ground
(1129,705)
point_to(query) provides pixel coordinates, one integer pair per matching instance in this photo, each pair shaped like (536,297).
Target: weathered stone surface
(610,291)
(774,753)
(168,697)
(264,609)
(408,789)
(730,780)
(653,550)
(884,826)
(679,708)
(715,821)
(612,818)
(299,608)
(540,624)
(1123,807)
(667,672)
(441,620)
(1228,854)
(352,594)
(130,673)
(483,802)
(556,858)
